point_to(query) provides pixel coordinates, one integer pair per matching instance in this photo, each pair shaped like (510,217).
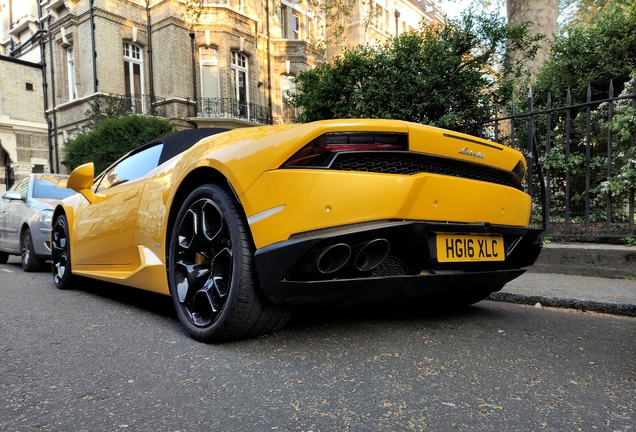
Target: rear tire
(61,254)
(30,261)
(4,257)
(211,271)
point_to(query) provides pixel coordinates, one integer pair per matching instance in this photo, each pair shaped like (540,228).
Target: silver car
(25,218)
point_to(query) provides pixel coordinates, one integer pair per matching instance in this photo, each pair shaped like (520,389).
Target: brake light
(319,149)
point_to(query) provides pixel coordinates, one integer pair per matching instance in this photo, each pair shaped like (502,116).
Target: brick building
(225,63)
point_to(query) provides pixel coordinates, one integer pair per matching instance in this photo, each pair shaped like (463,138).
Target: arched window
(134,75)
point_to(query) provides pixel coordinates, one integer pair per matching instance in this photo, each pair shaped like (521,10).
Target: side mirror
(12,196)
(81,180)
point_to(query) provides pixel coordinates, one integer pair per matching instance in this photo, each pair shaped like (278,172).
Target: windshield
(51,187)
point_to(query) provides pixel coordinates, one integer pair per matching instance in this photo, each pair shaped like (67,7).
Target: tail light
(319,151)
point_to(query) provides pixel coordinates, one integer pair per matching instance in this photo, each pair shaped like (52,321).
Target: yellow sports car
(240,226)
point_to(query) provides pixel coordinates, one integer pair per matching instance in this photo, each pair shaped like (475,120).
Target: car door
(104,230)
(13,215)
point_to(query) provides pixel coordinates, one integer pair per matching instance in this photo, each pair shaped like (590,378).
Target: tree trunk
(542,14)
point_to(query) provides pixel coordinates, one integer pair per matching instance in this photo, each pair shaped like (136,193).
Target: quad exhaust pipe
(369,255)
(366,257)
(329,260)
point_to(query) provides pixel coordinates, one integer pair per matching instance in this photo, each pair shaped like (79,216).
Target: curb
(582,259)
(624,309)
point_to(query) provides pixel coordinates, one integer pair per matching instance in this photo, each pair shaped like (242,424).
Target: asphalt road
(106,358)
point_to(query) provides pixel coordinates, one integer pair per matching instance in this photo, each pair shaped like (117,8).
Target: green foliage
(587,11)
(104,106)
(441,75)
(112,138)
(592,54)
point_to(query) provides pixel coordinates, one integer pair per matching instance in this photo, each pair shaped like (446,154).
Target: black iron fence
(581,161)
(229,108)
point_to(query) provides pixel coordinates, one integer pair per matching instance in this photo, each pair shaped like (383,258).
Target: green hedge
(112,138)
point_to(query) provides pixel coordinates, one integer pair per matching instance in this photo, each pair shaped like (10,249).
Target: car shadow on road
(138,298)
(307,317)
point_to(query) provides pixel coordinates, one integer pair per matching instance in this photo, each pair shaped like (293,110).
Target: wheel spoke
(222,271)
(59,252)
(190,278)
(203,267)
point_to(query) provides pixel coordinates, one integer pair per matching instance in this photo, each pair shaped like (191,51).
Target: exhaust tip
(333,258)
(371,254)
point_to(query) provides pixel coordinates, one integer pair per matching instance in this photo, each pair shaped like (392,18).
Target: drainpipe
(152,83)
(92,23)
(269,68)
(45,95)
(397,22)
(194,71)
(55,143)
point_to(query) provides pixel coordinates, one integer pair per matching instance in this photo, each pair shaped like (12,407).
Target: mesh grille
(409,163)
(391,266)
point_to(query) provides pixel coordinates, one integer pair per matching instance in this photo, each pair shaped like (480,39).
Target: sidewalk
(599,278)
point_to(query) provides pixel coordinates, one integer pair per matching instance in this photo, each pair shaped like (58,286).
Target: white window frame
(295,25)
(133,55)
(285,85)
(70,72)
(239,64)
(209,62)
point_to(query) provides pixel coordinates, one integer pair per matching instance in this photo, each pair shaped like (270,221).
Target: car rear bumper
(297,271)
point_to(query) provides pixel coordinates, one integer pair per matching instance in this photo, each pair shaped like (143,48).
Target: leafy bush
(112,138)
(442,75)
(594,54)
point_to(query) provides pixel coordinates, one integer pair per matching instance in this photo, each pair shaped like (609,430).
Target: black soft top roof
(179,142)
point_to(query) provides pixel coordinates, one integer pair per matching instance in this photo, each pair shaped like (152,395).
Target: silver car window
(51,187)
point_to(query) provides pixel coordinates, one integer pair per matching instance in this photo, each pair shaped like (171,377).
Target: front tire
(30,261)
(61,254)
(4,257)
(211,271)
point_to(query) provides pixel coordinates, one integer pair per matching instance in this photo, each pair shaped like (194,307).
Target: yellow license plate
(465,248)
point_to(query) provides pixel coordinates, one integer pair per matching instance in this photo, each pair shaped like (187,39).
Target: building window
(133,76)
(70,72)
(209,61)
(239,83)
(284,30)
(311,28)
(295,25)
(287,87)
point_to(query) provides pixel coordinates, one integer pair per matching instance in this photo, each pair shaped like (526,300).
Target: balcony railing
(115,105)
(229,108)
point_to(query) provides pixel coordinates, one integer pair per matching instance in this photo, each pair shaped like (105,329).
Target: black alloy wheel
(211,270)
(30,261)
(61,254)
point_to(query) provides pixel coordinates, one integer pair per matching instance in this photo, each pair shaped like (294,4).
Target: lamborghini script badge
(467,152)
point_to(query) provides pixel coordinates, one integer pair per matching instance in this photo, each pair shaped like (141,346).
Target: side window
(132,167)
(23,187)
